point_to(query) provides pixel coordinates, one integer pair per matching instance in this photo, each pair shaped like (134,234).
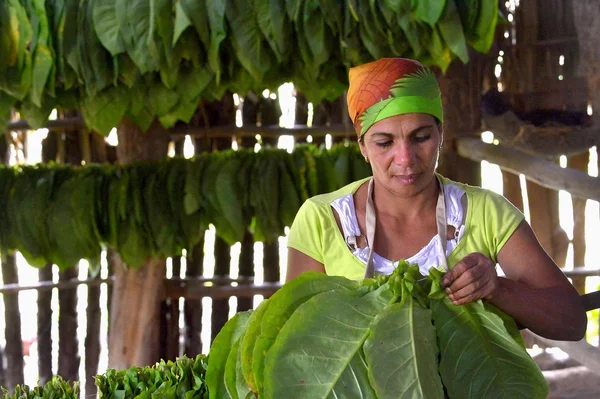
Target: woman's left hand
(473,278)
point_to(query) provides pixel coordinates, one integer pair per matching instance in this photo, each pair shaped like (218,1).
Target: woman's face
(403,151)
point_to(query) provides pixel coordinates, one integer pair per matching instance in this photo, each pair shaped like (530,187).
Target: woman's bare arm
(298,263)
(535,292)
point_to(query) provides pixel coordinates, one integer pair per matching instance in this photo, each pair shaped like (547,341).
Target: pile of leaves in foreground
(57,388)
(182,379)
(389,337)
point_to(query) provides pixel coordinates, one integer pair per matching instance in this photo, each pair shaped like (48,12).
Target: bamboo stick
(92,336)
(246,269)
(192,308)
(579,162)
(220,306)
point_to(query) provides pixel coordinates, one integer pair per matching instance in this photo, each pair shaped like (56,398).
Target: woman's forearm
(555,313)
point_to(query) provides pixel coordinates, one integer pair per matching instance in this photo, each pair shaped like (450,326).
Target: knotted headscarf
(390,87)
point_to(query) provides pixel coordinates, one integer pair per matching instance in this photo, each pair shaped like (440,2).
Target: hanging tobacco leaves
(395,336)
(159,58)
(61,214)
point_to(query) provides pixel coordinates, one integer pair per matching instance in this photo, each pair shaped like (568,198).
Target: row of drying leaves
(389,337)
(151,59)
(61,214)
(181,379)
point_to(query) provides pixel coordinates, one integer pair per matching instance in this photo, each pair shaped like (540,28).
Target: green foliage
(387,337)
(61,214)
(181,379)
(57,388)
(160,58)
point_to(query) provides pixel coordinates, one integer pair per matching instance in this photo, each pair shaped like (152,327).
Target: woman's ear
(363,149)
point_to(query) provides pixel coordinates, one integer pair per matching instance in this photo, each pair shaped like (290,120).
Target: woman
(408,211)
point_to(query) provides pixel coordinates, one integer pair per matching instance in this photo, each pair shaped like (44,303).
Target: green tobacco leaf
(42,65)
(293,8)
(274,24)
(402,352)
(36,117)
(247,40)
(316,32)
(107,26)
(216,20)
(313,354)
(234,378)
(283,304)
(219,352)
(182,22)
(486,26)
(452,31)
(138,30)
(249,342)
(479,358)
(197,12)
(430,11)
(103,111)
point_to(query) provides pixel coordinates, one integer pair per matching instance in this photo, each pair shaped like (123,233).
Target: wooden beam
(544,173)
(543,142)
(591,301)
(198,290)
(584,353)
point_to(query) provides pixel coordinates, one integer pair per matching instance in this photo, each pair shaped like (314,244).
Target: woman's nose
(405,155)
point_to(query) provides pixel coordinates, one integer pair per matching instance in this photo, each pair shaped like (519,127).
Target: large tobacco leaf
(225,342)
(479,358)
(402,353)
(313,354)
(282,306)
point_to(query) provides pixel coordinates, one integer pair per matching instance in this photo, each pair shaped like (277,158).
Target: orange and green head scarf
(390,87)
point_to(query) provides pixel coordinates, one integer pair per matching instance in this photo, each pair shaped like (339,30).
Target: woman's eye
(383,144)
(421,139)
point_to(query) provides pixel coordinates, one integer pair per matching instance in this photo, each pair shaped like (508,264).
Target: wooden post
(461,96)
(68,344)
(220,307)
(12,331)
(137,293)
(579,162)
(511,184)
(543,209)
(44,327)
(192,308)
(246,269)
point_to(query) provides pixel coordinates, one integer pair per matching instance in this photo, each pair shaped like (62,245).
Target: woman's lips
(407,179)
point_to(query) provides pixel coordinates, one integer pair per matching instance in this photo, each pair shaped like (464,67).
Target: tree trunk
(12,331)
(44,327)
(137,294)
(68,344)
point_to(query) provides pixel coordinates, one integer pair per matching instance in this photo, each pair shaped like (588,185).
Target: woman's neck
(390,204)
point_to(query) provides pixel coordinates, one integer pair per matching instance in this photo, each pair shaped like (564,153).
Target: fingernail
(448,291)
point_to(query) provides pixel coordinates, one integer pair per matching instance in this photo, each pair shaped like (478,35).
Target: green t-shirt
(490,221)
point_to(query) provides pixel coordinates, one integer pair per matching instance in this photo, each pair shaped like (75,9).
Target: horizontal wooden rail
(179,133)
(49,285)
(190,289)
(545,173)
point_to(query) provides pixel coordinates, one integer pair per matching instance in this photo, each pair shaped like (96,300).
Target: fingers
(473,278)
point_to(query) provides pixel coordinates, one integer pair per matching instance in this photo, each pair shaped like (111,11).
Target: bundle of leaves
(161,58)
(182,379)
(57,388)
(61,214)
(389,337)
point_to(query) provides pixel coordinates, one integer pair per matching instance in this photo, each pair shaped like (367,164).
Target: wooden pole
(192,308)
(220,307)
(44,327)
(12,330)
(511,184)
(246,269)
(461,95)
(137,293)
(579,162)
(68,354)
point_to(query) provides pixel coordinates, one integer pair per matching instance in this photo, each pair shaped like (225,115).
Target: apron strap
(371,221)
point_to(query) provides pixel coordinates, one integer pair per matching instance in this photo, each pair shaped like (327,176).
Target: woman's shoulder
(325,200)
